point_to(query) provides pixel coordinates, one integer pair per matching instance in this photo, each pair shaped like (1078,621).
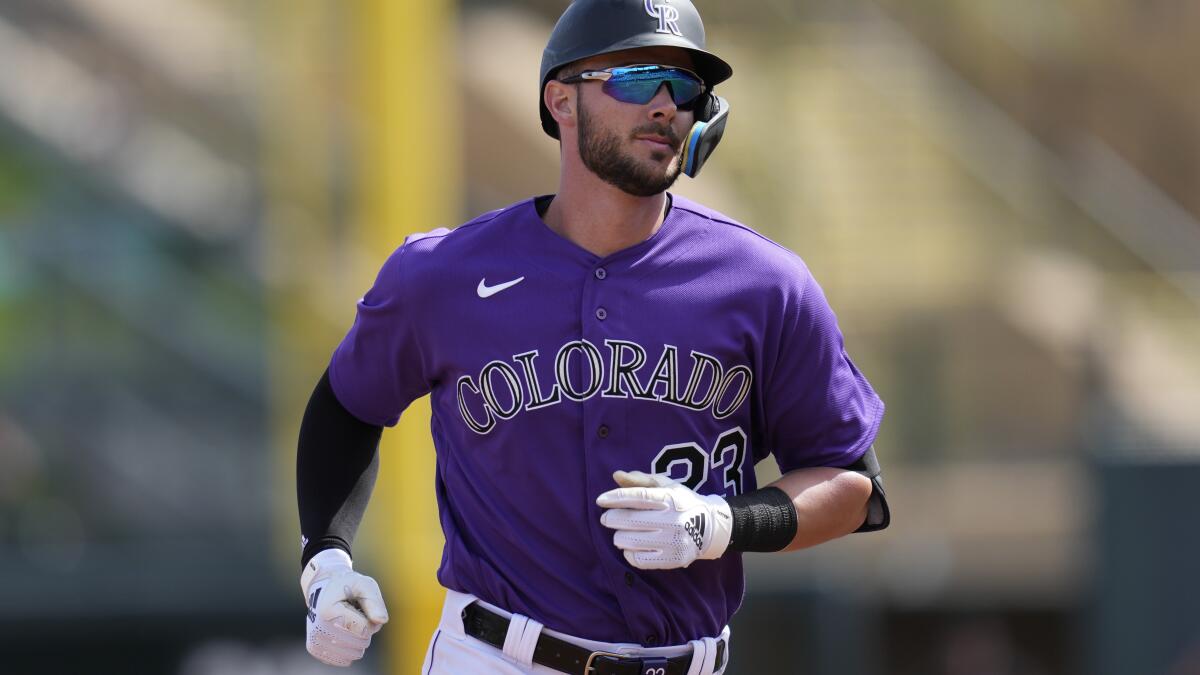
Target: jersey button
(629,578)
(601,273)
(601,313)
(652,639)
(602,432)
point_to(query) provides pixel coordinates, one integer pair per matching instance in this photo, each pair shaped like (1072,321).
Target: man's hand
(661,524)
(345,608)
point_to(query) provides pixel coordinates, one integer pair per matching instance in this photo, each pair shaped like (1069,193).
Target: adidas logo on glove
(695,527)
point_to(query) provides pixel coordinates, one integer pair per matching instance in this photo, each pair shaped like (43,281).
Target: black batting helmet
(593,27)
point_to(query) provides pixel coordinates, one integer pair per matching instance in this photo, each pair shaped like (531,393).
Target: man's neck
(601,218)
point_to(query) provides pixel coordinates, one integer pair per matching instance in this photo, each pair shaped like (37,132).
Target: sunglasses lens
(684,90)
(639,85)
(632,91)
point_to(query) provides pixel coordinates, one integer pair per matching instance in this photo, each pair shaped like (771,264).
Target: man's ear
(560,101)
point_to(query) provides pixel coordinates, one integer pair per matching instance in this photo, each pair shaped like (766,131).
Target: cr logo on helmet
(668,17)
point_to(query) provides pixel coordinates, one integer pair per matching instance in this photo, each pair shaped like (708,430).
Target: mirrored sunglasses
(638,84)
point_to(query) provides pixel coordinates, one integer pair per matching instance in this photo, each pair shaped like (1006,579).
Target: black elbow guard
(879,515)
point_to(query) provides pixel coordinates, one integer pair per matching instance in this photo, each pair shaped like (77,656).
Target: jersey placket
(606,434)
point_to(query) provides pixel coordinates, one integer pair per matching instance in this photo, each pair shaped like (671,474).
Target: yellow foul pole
(388,68)
(408,181)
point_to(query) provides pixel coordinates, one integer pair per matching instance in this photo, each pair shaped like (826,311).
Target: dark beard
(601,153)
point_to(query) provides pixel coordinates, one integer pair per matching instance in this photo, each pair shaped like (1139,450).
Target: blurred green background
(1001,200)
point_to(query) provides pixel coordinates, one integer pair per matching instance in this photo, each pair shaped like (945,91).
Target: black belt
(483,624)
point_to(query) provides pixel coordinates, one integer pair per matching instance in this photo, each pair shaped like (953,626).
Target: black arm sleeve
(879,516)
(336,465)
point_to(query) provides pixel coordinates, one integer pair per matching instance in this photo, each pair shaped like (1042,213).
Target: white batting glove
(661,524)
(345,608)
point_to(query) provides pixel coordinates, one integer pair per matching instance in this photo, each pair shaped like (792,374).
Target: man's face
(635,148)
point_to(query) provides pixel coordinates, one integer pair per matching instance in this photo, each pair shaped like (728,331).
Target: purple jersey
(697,353)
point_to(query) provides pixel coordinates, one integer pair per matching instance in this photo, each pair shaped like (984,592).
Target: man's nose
(663,105)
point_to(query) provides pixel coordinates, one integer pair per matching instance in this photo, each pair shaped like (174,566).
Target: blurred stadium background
(1000,198)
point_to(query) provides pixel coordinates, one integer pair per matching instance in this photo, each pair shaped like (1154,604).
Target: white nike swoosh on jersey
(486,291)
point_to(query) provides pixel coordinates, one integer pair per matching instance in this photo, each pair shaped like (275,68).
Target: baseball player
(605,367)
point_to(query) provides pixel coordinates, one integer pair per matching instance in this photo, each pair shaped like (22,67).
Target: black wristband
(763,520)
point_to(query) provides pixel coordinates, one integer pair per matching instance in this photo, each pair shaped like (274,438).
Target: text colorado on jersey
(499,392)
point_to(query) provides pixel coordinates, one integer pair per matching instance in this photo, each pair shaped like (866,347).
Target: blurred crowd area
(999,198)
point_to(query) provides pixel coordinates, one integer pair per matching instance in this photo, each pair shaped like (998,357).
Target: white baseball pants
(453,652)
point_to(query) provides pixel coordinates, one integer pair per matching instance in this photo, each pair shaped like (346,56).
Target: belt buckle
(588,667)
